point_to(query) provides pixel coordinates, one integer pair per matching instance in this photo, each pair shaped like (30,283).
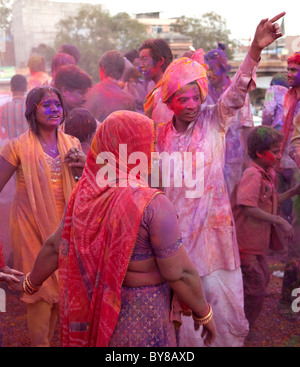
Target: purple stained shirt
(107,97)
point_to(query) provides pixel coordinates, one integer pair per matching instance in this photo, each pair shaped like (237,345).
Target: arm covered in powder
(244,80)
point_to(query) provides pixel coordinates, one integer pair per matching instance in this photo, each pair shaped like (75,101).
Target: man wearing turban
(196,137)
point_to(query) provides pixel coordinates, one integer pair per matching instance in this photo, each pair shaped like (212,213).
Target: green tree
(47,52)
(206,32)
(6,15)
(94,31)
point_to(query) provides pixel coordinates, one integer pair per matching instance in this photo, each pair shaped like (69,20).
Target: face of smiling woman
(49,112)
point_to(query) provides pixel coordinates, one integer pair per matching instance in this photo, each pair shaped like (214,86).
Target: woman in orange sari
(121,252)
(44,184)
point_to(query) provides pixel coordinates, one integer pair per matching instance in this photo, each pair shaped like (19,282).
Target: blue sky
(242,17)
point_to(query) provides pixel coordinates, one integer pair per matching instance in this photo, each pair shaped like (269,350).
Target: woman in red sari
(121,252)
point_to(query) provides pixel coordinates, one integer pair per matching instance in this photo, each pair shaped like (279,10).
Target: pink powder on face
(269,156)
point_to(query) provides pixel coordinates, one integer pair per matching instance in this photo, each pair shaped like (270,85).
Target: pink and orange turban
(180,73)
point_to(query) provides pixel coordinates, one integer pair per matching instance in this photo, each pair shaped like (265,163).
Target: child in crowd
(255,205)
(81,124)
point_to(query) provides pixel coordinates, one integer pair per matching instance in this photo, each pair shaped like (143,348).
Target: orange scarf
(37,179)
(100,230)
(42,204)
(149,101)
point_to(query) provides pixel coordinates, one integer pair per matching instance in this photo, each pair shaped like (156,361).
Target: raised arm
(244,80)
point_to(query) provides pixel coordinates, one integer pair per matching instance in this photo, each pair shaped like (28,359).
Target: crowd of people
(131,254)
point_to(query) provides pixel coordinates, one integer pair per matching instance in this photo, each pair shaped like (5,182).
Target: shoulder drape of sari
(99,235)
(149,101)
(38,181)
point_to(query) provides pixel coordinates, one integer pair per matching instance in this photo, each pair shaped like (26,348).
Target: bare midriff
(142,273)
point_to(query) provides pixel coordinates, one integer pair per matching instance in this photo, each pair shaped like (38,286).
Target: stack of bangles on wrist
(28,288)
(203,320)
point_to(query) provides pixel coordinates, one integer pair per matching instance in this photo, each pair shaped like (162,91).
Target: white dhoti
(224,292)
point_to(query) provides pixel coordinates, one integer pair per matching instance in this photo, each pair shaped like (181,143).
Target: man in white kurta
(204,211)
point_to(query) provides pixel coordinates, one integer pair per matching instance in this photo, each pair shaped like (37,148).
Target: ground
(272,329)
(14,323)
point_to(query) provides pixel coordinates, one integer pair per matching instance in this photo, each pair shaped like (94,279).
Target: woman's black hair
(33,99)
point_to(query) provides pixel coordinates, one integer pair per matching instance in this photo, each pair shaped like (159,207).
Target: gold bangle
(35,288)
(28,288)
(203,320)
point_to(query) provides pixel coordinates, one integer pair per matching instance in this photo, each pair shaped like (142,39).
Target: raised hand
(266,32)
(75,158)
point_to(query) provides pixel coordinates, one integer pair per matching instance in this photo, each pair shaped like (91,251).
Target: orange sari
(36,211)
(100,231)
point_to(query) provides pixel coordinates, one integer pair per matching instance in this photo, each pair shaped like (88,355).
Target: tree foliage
(46,51)
(206,32)
(6,15)
(94,31)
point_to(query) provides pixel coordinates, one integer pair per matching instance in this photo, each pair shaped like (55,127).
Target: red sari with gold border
(100,231)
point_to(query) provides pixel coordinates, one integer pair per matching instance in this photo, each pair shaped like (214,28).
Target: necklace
(53,151)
